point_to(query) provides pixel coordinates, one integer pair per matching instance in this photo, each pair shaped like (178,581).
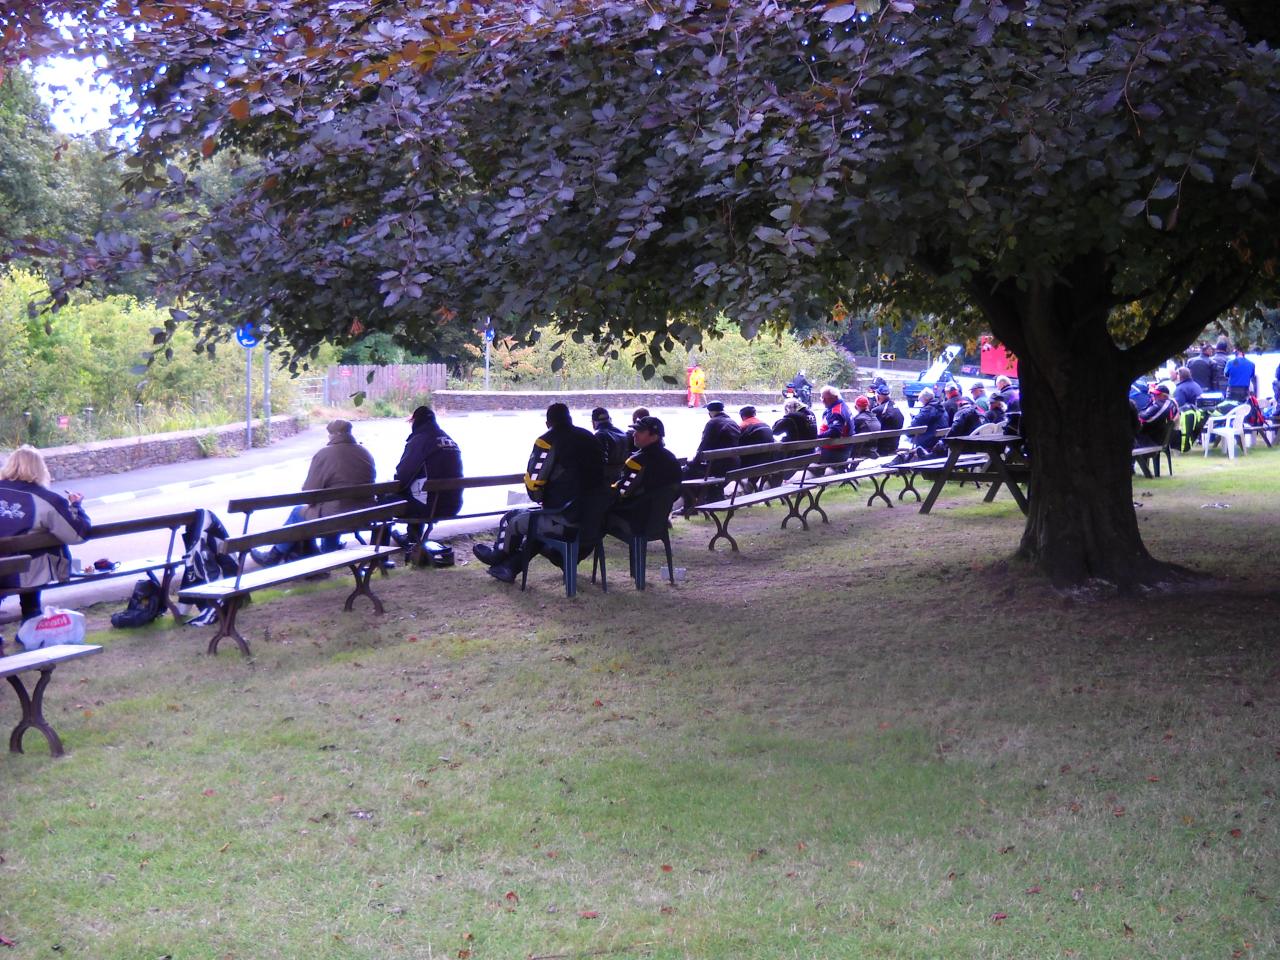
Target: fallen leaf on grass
(208,792)
(666,911)
(1117,811)
(588,914)
(597,703)
(1236,832)
(1035,889)
(998,917)
(1128,930)
(802,846)
(6,942)
(512,897)
(225,847)
(666,868)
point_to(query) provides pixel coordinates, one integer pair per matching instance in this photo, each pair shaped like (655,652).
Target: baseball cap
(651,425)
(715,406)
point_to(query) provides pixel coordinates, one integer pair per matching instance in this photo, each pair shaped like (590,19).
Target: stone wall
(619,402)
(130,453)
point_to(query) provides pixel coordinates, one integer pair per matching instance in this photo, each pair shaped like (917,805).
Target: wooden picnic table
(997,472)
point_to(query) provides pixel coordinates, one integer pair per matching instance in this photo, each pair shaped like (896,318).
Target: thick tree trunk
(1082,527)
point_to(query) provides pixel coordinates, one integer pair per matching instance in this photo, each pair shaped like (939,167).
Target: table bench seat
(43,660)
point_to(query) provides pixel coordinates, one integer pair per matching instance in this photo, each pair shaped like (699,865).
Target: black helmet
(436,554)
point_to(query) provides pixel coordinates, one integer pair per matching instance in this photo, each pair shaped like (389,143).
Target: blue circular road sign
(247,336)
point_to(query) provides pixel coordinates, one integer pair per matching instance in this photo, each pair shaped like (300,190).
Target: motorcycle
(803,393)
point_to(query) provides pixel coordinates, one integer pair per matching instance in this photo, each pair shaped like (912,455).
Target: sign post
(266,393)
(488,342)
(247,337)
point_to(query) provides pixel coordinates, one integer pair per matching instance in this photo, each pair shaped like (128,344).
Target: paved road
(492,443)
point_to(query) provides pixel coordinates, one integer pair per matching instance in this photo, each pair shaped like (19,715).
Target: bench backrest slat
(310,529)
(11,565)
(117,528)
(367,491)
(364,491)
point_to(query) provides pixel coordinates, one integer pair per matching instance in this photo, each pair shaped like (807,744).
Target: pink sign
(64,422)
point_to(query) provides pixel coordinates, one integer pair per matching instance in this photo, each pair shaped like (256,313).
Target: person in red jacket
(837,421)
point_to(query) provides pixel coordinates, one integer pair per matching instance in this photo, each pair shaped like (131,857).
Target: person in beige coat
(342,462)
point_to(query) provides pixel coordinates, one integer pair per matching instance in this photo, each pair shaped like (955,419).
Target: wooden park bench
(790,493)
(230,594)
(159,570)
(387,492)
(857,467)
(42,661)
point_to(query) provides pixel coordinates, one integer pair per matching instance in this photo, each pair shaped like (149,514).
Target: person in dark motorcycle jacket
(890,418)
(651,468)
(933,418)
(566,476)
(797,422)
(429,454)
(864,421)
(951,399)
(720,433)
(802,387)
(615,445)
(1155,422)
(753,431)
(967,419)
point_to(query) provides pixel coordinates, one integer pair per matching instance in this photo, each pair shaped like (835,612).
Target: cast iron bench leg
(793,510)
(33,714)
(165,584)
(363,572)
(722,530)
(227,627)
(814,505)
(879,491)
(908,485)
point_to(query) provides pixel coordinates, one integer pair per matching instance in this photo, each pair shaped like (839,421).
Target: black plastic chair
(657,527)
(568,545)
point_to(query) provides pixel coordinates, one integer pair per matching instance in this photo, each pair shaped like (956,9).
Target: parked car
(949,367)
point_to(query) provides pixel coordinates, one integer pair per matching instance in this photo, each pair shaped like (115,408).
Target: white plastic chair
(1226,427)
(987,430)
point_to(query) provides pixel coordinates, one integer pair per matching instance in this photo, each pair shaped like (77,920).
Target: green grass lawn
(876,739)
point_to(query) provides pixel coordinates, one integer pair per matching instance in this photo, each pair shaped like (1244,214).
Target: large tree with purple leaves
(1094,181)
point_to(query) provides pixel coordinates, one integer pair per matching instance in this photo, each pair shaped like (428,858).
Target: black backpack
(144,606)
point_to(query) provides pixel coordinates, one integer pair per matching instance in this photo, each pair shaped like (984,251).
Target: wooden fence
(401,382)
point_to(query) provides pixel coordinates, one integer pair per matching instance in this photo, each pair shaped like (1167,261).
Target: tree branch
(1212,296)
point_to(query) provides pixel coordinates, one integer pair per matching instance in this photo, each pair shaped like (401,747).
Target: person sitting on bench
(719,433)
(566,475)
(342,462)
(27,505)
(429,454)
